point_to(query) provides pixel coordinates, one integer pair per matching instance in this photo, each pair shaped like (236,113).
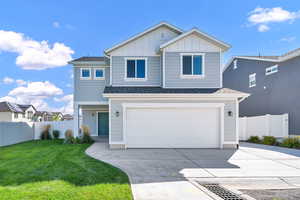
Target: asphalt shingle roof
(10,107)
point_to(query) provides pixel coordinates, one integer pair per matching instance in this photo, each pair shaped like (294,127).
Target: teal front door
(103,124)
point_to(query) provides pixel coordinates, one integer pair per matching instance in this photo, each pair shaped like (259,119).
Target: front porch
(95,117)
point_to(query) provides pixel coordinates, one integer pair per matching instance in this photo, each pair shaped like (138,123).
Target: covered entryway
(173,125)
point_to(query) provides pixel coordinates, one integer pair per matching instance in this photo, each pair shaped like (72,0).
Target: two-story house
(11,112)
(161,88)
(273,82)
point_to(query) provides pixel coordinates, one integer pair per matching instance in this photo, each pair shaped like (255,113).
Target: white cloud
(56,24)
(38,93)
(263,28)
(21,82)
(33,54)
(263,16)
(288,39)
(8,80)
(69,85)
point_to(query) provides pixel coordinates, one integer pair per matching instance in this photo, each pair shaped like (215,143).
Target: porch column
(76,120)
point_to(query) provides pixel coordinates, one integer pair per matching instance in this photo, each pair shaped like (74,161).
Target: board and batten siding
(90,90)
(211,79)
(117,122)
(153,72)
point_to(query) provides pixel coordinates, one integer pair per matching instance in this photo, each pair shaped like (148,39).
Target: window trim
(135,78)
(192,76)
(85,78)
(99,78)
(250,76)
(270,68)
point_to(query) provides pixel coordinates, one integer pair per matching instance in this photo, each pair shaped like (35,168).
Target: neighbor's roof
(224,46)
(174,28)
(160,90)
(289,55)
(96,59)
(10,107)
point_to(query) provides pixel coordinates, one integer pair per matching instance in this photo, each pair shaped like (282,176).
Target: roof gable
(222,45)
(147,31)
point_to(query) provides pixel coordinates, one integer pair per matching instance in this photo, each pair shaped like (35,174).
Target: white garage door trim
(175,105)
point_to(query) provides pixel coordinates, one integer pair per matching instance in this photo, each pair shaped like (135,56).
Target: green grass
(55,171)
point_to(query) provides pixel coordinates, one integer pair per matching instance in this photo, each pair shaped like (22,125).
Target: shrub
(86,137)
(254,139)
(292,142)
(269,140)
(45,135)
(69,138)
(56,134)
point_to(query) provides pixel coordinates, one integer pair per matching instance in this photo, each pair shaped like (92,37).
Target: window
(29,115)
(235,64)
(23,115)
(16,115)
(85,73)
(99,74)
(252,80)
(192,65)
(136,69)
(271,70)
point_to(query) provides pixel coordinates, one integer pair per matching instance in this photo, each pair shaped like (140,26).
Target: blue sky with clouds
(37,38)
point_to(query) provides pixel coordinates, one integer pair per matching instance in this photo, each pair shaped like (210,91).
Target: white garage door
(172,127)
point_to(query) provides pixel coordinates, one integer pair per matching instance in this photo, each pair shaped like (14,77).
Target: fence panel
(265,125)
(61,126)
(15,132)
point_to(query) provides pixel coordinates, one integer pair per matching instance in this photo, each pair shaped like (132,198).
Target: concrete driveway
(174,173)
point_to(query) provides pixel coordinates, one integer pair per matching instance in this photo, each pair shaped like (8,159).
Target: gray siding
(153,72)
(15,132)
(173,71)
(117,122)
(89,90)
(273,94)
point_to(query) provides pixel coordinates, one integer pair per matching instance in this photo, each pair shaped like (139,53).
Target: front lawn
(54,171)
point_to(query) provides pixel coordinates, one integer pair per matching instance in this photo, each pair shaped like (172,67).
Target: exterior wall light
(229,113)
(117,113)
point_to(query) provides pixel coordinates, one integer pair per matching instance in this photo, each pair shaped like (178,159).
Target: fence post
(268,125)
(285,125)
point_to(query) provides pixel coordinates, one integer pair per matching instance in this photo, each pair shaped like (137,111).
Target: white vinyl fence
(265,125)
(61,126)
(15,132)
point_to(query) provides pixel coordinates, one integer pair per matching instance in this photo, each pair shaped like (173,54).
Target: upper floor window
(252,80)
(136,68)
(99,74)
(235,64)
(271,70)
(192,65)
(85,73)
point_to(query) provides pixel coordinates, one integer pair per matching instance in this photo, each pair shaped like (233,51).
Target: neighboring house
(161,88)
(11,112)
(273,82)
(48,116)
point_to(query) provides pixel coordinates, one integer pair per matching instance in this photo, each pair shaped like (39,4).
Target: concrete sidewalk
(170,173)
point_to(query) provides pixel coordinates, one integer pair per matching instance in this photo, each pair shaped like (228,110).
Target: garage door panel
(172,127)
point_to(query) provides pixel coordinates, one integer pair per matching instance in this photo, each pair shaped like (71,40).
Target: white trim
(102,111)
(221,44)
(252,76)
(192,76)
(88,64)
(99,78)
(109,121)
(110,70)
(135,59)
(91,102)
(175,105)
(271,68)
(230,142)
(164,68)
(237,113)
(168,95)
(107,51)
(85,78)
(136,85)
(120,142)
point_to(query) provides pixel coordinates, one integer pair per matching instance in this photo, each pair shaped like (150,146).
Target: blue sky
(72,29)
